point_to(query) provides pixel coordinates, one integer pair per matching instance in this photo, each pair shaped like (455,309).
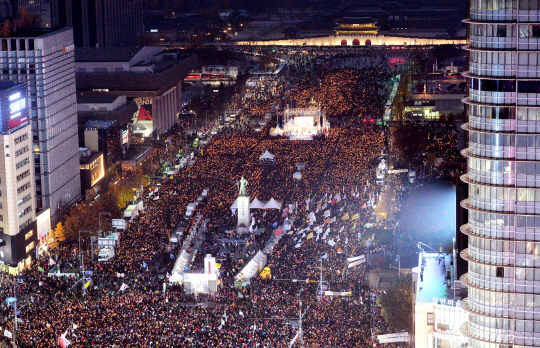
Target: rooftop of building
(105,54)
(92,99)
(137,153)
(356,20)
(89,159)
(35,32)
(432,276)
(421,103)
(106,119)
(155,83)
(100,124)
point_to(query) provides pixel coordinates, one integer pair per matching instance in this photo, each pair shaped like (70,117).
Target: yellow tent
(266,273)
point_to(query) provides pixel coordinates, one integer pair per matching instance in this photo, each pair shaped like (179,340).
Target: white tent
(297,176)
(266,155)
(253,267)
(276,131)
(272,204)
(256,204)
(128,213)
(235,204)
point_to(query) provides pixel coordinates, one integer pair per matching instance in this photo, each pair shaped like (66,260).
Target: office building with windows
(18,235)
(44,60)
(100,23)
(503,229)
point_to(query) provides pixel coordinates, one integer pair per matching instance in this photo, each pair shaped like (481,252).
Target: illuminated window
(28,235)
(29,247)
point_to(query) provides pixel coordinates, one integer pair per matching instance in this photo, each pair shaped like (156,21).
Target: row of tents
(256,204)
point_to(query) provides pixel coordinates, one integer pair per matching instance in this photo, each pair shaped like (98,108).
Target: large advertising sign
(13,108)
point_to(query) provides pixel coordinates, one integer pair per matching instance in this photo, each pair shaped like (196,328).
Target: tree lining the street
(396,303)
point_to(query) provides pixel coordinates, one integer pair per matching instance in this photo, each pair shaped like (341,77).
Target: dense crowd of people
(322,222)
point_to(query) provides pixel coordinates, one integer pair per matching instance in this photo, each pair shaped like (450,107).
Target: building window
(29,247)
(23,175)
(24,187)
(430,319)
(25,211)
(501,30)
(26,223)
(23,200)
(536,30)
(28,235)
(81,70)
(100,70)
(21,138)
(22,163)
(500,272)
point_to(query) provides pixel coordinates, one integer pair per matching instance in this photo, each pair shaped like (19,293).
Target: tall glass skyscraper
(503,106)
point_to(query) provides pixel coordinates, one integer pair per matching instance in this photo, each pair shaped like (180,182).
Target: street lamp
(82,260)
(99,217)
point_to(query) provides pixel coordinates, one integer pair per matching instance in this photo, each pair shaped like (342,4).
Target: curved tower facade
(503,106)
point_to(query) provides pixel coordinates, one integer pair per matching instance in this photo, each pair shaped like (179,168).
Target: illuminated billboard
(125,136)
(13,107)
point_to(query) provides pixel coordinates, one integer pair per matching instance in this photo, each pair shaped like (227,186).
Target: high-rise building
(503,104)
(100,23)
(18,233)
(44,60)
(38,9)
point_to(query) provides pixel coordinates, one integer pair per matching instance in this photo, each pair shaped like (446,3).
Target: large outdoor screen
(13,107)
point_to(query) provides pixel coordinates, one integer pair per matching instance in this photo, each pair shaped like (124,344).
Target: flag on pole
(345,217)
(355,216)
(278,232)
(309,236)
(7,333)
(75,326)
(144,264)
(327,221)
(168,275)
(51,261)
(325,256)
(171,256)
(364,206)
(123,287)
(87,284)
(63,342)
(40,269)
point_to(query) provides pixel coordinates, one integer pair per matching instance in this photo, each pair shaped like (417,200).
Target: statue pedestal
(244,220)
